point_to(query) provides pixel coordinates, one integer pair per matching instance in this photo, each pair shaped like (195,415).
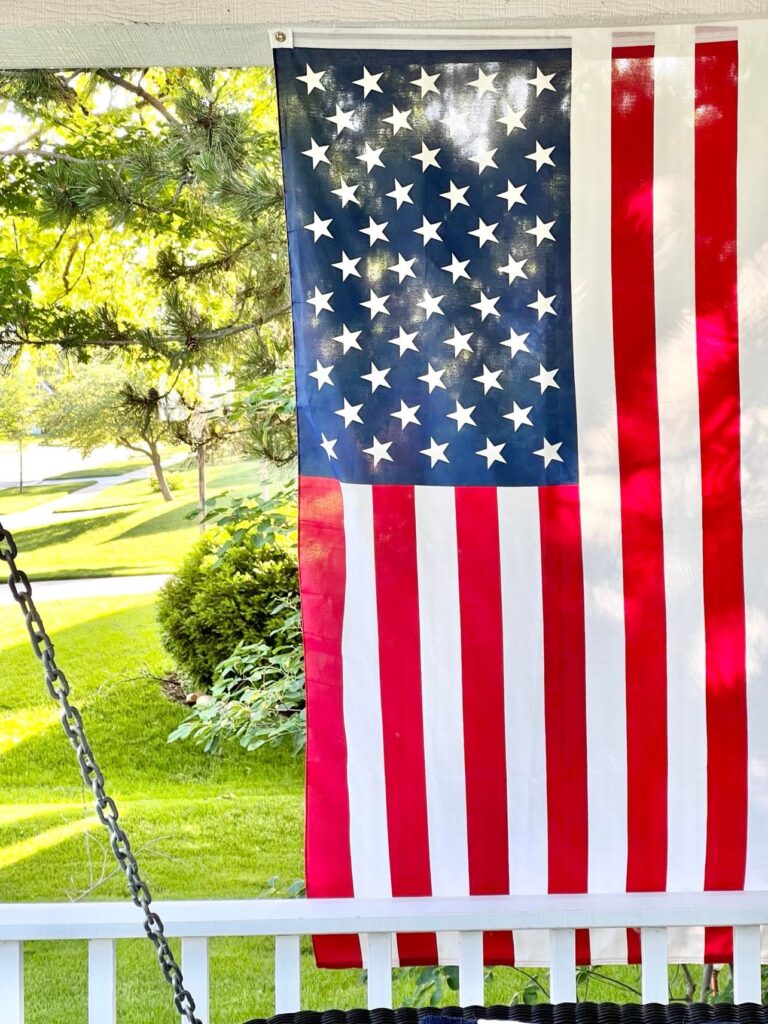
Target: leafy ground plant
(257,698)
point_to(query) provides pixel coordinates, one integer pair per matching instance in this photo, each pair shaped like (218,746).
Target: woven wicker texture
(541,1013)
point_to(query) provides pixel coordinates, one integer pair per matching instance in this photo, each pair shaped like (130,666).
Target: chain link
(72,723)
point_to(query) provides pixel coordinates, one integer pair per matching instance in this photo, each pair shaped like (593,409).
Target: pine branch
(138,90)
(16,339)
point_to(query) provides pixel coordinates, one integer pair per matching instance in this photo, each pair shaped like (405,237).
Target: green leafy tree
(143,211)
(19,401)
(101,403)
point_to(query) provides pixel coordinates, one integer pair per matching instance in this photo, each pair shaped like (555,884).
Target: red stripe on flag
(565,694)
(719,410)
(397,600)
(322,569)
(634,337)
(482,668)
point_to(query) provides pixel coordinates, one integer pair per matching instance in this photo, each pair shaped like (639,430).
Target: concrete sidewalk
(101,586)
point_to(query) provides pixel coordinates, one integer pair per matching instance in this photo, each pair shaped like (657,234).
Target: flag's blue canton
(429,235)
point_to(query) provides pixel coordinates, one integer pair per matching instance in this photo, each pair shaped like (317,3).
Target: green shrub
(222,597)
(175,482)
(257,697)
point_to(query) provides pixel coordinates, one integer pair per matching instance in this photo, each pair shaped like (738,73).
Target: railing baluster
(746,964)
(12,982)
(102,988)
(653,950)
(471,978)
(194,964)
(287,974)
(562,965)
(379,970)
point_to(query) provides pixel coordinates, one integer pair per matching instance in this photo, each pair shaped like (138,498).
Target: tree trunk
(201,485)
(21,467)
(157,465)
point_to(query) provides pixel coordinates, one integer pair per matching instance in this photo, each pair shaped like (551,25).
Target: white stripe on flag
(523,618)
(599,485)
(753,333)
(441,692)
(369,844)
(678,389)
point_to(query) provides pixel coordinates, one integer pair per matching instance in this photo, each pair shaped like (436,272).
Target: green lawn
(34,494)
(203,827)
(128,529)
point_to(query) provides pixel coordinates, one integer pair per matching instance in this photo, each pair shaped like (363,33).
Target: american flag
(530,304)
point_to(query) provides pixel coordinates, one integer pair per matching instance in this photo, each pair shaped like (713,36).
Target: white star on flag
(513,194)
(399,120)
(541,156)
(350,413)
(487,306)
(426,83)
(406,414)
(312,79)
(516,343)
(342,119)
(328,446)
(431,304)
(347,339)
(433,378)
(492,453)
(514,269)
(484,232)
(347,266)
(519,416)
(404,341)
(316,153)
(371,157)
(376,304)
(319,228)
(550,452)
(435,452)
(456,195)
(545,379)
(543,304)
(430,232)
(427,157)
(376,232)
(400,193)
(489,379)
(403,268)
(379,450)
(484,83)
(369,82)
(377,378)
(456,268)
(484,159)
(463,416)
(346,193)
(322,374)
(541,231)
(459,341)
(511,119)
(542,82)
(321,300)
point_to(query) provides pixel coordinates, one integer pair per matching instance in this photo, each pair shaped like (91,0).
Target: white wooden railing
(195,922)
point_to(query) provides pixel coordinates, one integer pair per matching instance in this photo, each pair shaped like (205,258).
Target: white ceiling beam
(134,33)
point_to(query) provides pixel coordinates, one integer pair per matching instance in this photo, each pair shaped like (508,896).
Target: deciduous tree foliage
(142,211)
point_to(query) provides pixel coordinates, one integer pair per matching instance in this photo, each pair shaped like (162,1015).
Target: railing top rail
(191,918)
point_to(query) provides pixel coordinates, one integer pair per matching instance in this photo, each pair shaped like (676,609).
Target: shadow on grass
(175,518)
(63,533)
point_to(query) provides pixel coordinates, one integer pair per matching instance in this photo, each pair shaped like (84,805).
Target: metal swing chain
(71,720)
